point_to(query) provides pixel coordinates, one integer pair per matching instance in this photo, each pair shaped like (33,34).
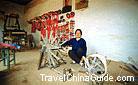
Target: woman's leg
(79,53)
(73,56)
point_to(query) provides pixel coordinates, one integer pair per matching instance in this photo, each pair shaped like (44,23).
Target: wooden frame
(67,6)
(80,4)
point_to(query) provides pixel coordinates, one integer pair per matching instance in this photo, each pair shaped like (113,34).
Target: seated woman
(78,45)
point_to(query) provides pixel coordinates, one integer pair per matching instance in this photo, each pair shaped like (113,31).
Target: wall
(110,27)
(37,8)
(8,8)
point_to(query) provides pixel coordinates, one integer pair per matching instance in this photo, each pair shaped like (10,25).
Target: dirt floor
(26,72)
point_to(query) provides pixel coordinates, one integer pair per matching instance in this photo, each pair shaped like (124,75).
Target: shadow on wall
(1,34)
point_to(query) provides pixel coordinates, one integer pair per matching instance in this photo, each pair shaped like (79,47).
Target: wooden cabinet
(12,32)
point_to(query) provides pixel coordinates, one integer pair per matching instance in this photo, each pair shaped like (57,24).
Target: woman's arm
(67,43)
(84,48)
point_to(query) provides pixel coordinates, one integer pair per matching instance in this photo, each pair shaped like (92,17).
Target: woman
(78,45)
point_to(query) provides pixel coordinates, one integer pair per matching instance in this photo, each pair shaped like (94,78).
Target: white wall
(110,27)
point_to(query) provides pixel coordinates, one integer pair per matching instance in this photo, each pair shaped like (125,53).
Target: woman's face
(78,34)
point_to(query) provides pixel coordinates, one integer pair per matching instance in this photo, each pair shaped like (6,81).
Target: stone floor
(26,72)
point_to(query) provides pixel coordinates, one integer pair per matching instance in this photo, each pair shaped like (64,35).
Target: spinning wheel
(96,65)
(50,52)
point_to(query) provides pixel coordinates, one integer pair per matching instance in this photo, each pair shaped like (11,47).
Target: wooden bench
(7,54)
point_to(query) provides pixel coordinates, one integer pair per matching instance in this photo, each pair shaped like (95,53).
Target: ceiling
(21,2)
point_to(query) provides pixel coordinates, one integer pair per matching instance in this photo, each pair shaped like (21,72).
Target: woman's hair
(78,30)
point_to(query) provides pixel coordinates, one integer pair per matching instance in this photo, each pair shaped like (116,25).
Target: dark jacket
(76,45)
